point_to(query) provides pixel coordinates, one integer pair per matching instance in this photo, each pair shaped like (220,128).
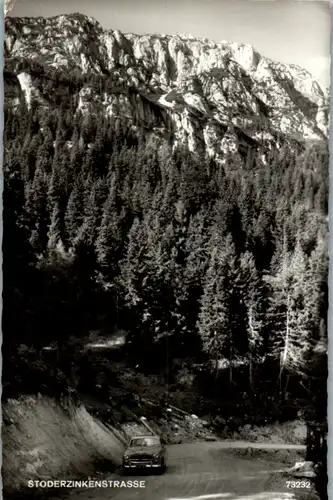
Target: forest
(107,227)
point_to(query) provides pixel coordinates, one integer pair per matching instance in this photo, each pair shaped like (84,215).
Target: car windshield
(146,441)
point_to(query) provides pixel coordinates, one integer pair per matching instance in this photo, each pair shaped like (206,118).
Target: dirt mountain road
(210,471)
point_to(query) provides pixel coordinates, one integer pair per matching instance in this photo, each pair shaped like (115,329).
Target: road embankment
(43,440)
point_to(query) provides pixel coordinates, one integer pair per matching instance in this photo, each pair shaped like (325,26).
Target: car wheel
(163,468)
(125,471)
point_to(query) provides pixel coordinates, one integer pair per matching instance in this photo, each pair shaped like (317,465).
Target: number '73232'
(298,484)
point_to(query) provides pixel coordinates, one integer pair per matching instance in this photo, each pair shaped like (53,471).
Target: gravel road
(210,471)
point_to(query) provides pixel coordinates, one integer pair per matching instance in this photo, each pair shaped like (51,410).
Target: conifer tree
(74,214)
(289,312)
(251,291)
(37,207)
(109,240)
(216,319)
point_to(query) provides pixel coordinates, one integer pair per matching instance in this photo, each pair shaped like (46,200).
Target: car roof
(148,436)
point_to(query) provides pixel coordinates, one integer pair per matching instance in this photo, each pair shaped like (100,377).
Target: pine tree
(37,210)
(176,269)
(321,199)
(170,191)
(109,240)
(289,312)
(74,214)
(317,297)
(196,259)
(57,198)
(251,291)
(132,272)
(216,321)
(54,232)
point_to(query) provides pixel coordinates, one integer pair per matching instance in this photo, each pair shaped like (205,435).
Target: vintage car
(146,452)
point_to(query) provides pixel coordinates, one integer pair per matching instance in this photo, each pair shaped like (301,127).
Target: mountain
(212,97)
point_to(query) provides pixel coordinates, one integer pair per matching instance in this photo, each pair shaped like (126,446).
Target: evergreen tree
(215,321)
(74,214)
(109,240)
(37,210)
(252,293)
(289,311)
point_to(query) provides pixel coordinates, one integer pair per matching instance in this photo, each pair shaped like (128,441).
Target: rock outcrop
(212,97)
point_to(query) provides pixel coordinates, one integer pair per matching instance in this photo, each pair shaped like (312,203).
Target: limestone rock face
(212,97)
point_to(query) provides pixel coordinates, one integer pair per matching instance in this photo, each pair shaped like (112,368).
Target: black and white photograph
(165,249)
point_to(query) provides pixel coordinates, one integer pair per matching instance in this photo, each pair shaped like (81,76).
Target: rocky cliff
(213,97)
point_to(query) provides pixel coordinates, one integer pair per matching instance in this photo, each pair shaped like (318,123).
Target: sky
(290,31)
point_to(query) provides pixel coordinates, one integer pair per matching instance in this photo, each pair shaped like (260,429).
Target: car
(145,452)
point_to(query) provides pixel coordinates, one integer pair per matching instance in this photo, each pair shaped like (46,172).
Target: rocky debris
(292,432)
(303,469)
(175,427)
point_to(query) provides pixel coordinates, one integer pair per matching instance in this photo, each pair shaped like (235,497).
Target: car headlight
(126,457)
